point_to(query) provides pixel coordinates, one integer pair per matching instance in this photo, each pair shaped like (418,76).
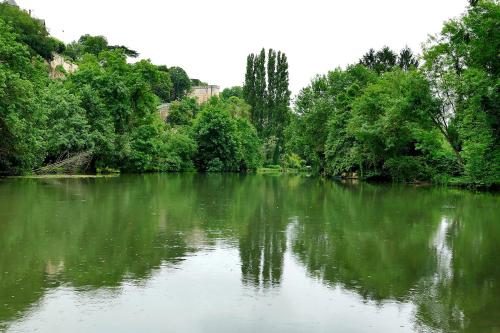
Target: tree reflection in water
(435,248)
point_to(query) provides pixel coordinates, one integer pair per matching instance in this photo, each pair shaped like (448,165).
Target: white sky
(211,39)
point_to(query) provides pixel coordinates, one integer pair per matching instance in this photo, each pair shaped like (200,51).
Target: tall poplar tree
(266,90)
(281,110)
(259,109)
(249,86)
(271,90)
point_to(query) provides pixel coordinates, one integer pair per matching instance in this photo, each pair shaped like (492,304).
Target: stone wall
(203,93)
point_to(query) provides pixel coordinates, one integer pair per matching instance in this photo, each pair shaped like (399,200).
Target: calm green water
(246,253)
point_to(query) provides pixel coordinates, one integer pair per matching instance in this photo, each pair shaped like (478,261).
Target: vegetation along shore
(392,115)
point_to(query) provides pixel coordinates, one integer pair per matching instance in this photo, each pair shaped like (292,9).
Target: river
(246,253)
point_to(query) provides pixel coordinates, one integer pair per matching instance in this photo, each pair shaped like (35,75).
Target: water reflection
(435,249)
(262,241)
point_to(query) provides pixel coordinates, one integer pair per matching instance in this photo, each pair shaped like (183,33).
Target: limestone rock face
(163,110)
(59,67)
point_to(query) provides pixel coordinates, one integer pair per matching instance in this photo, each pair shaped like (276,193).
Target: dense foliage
(168,84)
(226,141)
(386,118)
(385,60)
(235,91)
(30,32)
(88,44)
(180,80)
(20,116)
(463,69)
(108,107)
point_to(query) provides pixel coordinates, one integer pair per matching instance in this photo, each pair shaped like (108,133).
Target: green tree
(144,146)
(272,92)
(376,126)
(381,61)
(249,86)
(341,152)
(225,138)
(250,146)
(266,91)
(318,131)
(88,44)
(22,121)
(102,127)
(178,151)
(369,59)
(385,59)
(259,108)
(197,82)
(120,98)
(182,112)
(216,135)
(235,91)
(462,66)
(128,52)
(30,31)
(181,82)
(238,108)
(93,44)
(394,137)
(159,80)
(406,59)
(68,130)
(281,112)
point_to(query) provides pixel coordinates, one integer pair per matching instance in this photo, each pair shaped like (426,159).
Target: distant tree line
(109,107)
(389,117)
(385,60)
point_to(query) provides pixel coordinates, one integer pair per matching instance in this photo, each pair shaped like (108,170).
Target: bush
(216,136)
(179,151)
(250,151)
(182,112)
(106,171)
(407,169)
(215,165)
(292,161)
(226,138)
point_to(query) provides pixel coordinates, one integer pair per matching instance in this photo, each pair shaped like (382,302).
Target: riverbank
(453,183)
(63,176)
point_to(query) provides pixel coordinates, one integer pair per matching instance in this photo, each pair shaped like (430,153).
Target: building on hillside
(201,93)
(204,93)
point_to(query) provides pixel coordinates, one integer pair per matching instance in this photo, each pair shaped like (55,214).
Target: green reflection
(435,248)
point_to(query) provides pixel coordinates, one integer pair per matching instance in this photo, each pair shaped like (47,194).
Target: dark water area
(246,253)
